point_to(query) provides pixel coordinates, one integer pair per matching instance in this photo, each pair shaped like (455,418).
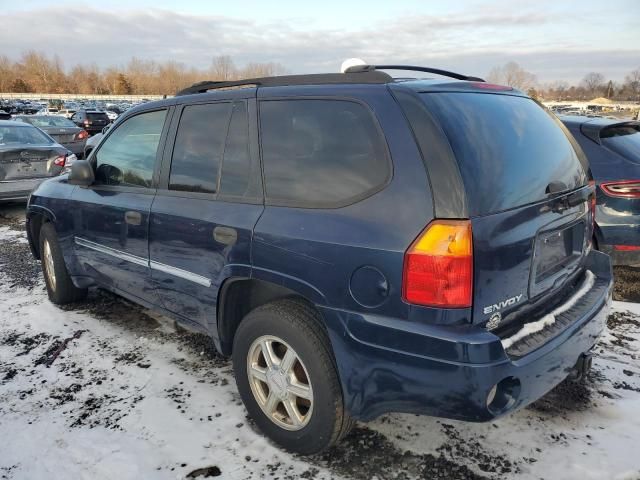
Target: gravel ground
(106,389)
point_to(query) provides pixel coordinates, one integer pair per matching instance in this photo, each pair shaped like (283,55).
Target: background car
(62,130)
(112,115)
(93,141)
(27,156)
(613,149)
(67,112)
(93,121)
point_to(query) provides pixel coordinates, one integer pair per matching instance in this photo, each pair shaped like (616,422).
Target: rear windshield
(23,135)
(624,140)
(97,116)
(51,121)
(508,149)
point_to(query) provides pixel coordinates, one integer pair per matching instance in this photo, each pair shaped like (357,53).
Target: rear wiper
(556,186)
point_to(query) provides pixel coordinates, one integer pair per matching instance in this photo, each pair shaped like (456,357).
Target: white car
(112,115)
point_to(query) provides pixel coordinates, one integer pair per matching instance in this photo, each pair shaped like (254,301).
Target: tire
(60,288)
(291,324)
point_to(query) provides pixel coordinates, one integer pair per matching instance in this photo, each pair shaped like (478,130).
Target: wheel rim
(48,265)
(280,382)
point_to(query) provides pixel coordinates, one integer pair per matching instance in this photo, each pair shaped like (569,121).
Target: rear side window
(624,140)
(199,146)
(508,149)
(320,152)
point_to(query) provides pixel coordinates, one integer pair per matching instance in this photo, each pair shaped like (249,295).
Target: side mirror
(81,173)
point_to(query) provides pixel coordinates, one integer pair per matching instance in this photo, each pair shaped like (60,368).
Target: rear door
(528,198)
(210,199)
(112,215)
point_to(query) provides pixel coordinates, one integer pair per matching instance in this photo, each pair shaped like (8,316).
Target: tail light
(438,266)
(82,135)
(60,161)
(622,188)
(626,248)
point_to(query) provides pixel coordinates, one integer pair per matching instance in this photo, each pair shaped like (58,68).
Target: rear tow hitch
(581,368)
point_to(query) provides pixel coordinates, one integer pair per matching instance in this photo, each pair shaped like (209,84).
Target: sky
(556,40)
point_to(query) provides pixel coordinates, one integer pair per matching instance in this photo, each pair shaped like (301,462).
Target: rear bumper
(620,257)
(618,228)
(18,189)
(391,365)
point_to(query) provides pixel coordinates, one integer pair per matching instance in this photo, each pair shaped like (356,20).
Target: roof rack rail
(371,77)
(413,68)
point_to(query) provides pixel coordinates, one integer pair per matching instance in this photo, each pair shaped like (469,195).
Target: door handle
(133,218)
(225,235)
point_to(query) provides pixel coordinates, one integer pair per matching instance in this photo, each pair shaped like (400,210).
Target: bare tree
(594,83)
(632,84)
(7,75)
(513,75)
(222,68)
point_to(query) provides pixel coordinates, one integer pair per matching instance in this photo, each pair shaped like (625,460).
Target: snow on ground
(132,397)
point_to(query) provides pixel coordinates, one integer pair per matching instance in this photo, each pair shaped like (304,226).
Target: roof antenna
(351,62)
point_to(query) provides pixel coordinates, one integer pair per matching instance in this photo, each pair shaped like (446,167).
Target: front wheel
(287,378)
(60,288)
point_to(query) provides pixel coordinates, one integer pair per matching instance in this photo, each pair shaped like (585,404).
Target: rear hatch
(28,162)
(26,152)
(528,197)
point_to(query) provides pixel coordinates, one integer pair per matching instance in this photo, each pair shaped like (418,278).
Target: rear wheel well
(240,296)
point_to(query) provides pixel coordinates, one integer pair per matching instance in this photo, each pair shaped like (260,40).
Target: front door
(203,216)
(112,215)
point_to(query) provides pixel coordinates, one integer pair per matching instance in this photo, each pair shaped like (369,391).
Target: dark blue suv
(358,244)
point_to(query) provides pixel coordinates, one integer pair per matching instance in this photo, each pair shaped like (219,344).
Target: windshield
(508,148)
(51,121)
(624,140)
(23,135)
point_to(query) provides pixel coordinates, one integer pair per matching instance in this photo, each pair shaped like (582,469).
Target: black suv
(359,245)
(93,121)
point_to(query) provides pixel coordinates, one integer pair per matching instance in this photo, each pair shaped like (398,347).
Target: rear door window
(321,152)
(624,140)
(508,149)
(199,147)
(237,168)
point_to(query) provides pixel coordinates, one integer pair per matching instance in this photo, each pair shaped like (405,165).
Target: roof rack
(413,68)
(370,77)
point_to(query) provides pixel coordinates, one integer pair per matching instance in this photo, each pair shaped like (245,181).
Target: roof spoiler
(592,130)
